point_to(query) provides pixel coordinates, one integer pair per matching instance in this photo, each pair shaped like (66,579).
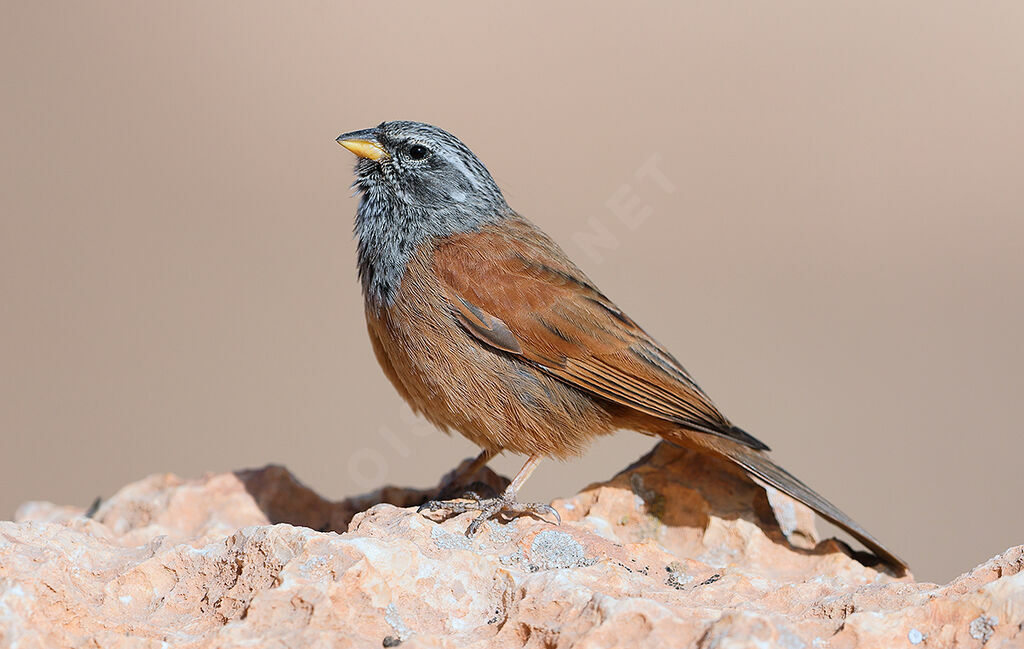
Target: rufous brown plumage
(487,328)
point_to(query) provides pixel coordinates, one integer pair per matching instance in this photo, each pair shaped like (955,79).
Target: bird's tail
(760,466)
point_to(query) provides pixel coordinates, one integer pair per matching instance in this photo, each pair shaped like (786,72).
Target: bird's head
(418,183)
(423,172)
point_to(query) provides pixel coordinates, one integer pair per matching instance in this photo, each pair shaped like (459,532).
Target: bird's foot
(489,508)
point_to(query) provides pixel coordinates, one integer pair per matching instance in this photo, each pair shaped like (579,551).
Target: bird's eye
(418,152)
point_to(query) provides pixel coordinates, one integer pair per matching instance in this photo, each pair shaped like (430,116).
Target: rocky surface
(675,551)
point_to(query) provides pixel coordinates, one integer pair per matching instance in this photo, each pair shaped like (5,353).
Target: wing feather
(513,289)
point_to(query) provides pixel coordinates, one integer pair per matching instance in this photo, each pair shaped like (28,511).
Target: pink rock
(677,550)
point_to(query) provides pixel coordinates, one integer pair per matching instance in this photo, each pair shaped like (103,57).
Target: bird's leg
(504,504)
(459,477)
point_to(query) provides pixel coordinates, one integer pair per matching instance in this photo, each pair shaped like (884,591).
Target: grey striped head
(422,166)
(417,182)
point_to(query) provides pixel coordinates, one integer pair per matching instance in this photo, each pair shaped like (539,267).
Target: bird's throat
(387,236)
(389,231)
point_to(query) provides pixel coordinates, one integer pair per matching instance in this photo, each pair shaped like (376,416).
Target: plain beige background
(834,249)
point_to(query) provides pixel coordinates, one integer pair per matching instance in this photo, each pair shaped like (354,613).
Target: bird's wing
(514,289)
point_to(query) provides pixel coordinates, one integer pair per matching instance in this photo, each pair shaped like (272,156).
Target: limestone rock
(677,550)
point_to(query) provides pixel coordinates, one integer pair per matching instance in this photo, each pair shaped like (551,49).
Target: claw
(454,506)
(475,525)
(489,508)
(437,505)
(548,509)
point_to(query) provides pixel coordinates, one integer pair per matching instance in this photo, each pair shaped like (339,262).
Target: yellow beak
(363,148)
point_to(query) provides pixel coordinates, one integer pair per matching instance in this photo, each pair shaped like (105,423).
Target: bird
(485,327)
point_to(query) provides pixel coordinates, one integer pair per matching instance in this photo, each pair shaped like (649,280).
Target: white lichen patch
(552,549)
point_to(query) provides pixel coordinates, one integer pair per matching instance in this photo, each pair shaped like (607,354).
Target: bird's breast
(494,399)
